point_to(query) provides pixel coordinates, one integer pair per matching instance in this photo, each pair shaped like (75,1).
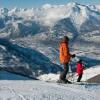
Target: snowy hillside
(87,74)
(36,90)
(29,51)
(25,61)
(29,38)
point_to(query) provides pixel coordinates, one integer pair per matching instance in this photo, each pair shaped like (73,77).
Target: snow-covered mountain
(24,61)
(29,41)
(33,34)
(72,18)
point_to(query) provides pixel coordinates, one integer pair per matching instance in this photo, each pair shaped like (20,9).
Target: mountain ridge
(19,22)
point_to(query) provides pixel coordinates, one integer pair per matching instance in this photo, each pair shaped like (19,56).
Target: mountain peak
(46,6)
(72,3)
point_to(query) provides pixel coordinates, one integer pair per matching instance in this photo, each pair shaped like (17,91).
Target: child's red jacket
(79,68)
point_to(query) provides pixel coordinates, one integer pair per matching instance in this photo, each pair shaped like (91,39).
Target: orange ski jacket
(64,52)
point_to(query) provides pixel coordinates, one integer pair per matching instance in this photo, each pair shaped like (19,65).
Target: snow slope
(91,72)
(37,90)
(87,74)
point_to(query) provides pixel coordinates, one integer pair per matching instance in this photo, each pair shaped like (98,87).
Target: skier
(79,70)
(65,57)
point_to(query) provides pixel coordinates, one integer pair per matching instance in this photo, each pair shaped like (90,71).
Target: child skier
(79,70)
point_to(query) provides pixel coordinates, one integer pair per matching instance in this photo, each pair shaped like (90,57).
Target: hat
(66,38)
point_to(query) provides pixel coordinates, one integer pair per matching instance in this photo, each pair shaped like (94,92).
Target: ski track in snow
(38,90)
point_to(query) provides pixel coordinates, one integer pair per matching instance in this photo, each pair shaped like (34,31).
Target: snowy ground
(38,90)
(87,74)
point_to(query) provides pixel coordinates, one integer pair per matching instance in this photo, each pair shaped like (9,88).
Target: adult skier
(65,57)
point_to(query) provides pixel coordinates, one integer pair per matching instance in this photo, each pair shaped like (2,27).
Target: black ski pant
(65,71)
(79,78)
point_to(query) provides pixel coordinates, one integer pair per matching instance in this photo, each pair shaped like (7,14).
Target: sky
(38,3)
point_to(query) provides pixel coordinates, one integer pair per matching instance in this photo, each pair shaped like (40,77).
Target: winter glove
(73,56)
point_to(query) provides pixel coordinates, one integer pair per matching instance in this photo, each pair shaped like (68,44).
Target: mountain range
(29,38)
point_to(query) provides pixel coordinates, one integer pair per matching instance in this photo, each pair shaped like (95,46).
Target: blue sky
(38,3)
